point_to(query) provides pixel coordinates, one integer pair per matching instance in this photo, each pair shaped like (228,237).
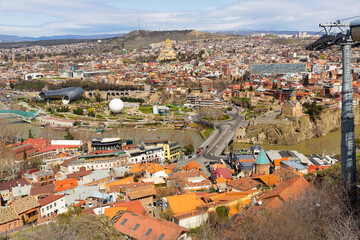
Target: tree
(313,110)
(31,135)
(306,80)
(251,88)
(223,212)
(357,142)
(189,149)
(69,136)
(167,214)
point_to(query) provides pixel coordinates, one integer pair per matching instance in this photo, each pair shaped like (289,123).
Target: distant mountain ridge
(13,38)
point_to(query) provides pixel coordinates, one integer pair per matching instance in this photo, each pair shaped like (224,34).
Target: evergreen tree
(31,135)
(69,136)
(306,80)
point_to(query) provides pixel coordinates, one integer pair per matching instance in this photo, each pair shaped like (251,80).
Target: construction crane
(346,38)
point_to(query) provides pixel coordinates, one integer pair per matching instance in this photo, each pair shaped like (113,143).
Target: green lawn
(146,109)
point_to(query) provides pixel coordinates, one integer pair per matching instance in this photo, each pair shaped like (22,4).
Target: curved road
(217,142)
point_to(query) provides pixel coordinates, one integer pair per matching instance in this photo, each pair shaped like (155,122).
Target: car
(207,146)
(211,154)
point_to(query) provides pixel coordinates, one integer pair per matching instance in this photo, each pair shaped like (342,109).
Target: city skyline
(47,18)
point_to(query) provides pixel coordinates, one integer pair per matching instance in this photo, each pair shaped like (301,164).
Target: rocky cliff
(299,130)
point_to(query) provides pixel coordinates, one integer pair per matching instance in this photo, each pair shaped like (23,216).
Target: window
(136,226)
(148,232)
(47,208)
(54,204)
(161,236)
(123,222)
(15,224)
(42,210)
(10,226)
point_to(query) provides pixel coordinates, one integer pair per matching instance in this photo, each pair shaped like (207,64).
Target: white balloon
(116,105)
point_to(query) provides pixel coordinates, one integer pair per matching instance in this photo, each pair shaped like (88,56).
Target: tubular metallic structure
(66,94)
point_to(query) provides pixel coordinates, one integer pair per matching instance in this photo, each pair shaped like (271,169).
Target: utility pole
(346,39)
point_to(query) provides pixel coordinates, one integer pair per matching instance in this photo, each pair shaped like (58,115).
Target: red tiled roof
(243,184)
(54,147)
(222,172)
(49,199)
(143,227)
(37,189)
(7,185)
(133,206)
(314,168)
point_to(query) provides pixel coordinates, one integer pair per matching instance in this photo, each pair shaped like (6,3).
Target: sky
(35,18)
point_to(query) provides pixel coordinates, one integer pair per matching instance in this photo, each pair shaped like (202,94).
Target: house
(44,177)
(99,178)
(144,193)
(284,192)
(52,204)
(295,165)
(20,191)
(141,227)
(243,184)
(255,150)
(9,219)
(40,192)
(191,181)
(191,166)
(27,208)
(62,185)
(220,170)
(189,215)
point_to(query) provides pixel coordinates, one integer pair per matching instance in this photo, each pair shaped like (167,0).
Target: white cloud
(91,16)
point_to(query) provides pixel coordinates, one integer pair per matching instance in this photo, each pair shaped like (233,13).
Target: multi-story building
(52,204)
(146,154)
(99,161)
(171,150)
(44,177)
(105,144)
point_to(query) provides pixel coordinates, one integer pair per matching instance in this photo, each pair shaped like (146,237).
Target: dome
(116,105)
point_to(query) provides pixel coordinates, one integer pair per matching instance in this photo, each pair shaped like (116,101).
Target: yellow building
(167,53)
(171,150)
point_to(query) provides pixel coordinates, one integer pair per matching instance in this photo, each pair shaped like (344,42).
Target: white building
(146,155)
(52,204)
(56,122)
(30,76)
(97,164)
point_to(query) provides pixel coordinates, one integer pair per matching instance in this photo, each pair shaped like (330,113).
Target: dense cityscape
(176,135)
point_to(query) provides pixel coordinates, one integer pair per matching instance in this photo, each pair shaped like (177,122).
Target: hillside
(139,38)
(8,45)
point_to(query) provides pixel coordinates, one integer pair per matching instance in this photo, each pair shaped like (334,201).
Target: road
(217,142)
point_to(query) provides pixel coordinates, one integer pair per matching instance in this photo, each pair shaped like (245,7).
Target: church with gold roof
(167,53)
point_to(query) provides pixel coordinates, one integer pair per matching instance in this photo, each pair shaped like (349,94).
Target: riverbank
(324,145)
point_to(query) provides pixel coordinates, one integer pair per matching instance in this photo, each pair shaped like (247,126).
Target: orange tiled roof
(62,185)
(110,212)
(269,179)
(288,189)
(120,182)
(177,205)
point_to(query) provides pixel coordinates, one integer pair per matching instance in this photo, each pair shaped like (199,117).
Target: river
(327,145)
(189,136)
